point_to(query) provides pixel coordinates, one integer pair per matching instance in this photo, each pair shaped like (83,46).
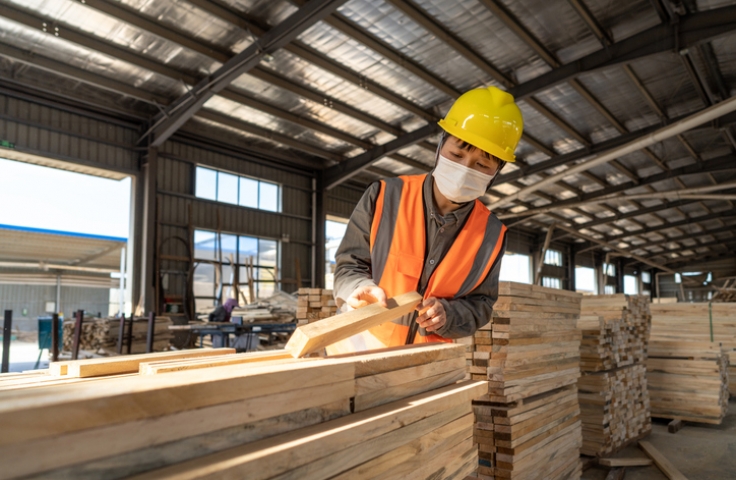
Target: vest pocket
(409,265)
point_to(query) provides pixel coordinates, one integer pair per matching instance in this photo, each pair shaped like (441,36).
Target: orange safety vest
(397,247)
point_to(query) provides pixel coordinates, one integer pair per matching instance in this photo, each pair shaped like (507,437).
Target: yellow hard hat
(486,118)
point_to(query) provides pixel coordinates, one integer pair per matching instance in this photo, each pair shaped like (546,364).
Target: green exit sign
(6,144)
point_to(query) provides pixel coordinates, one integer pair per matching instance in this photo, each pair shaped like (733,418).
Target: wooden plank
(93,444)
(661,461)
(675,425)
(625,462)
(31,414)
(95,367)
(425,445)
(277,455)
(159,367)
(146,459)
(348,458)
(396,358)
(315,336)
(397,392)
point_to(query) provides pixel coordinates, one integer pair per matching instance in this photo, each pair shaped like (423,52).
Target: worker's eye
(483,166)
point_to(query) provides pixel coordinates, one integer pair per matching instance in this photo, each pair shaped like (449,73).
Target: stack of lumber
(528,424)
(257,415)
(101,335)
(613,394)
(688,381)
(615,409)
(616,330)
(314,304)
(695,322)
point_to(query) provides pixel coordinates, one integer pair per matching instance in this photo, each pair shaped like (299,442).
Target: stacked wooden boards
(101,335)
(314,304)
(275,418)
(613,394)
(688,380)
(528,424)
(699,322)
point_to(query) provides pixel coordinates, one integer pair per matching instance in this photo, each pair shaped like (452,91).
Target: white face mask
(459,183)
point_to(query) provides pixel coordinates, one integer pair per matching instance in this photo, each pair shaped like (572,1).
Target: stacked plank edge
(613,394)
(688,381)
(702,323)
(528,424)
(314,304)
(265,415)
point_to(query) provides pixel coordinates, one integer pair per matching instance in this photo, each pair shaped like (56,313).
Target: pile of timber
(101,335)
(615,409)
(700,322)
(613,394)
(616,330)
(262,415)
(688,381)
(314,304)
(528,425)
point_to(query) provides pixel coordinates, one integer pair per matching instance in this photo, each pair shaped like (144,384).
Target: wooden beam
(178,365)
(661,461)
(97,367)
(540,265)
(358,438)
(625,462)
(315,336)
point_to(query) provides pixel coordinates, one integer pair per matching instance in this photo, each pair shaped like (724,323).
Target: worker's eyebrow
(463,145)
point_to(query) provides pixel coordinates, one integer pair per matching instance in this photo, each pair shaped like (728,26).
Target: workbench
(225,329)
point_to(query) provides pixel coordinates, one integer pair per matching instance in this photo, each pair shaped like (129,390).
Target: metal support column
(572,255)
(148,233)
(7,332)
(320,221)
(55,337)
(151,332)
(620,276)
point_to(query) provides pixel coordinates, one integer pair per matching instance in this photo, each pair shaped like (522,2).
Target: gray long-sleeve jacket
(464,315)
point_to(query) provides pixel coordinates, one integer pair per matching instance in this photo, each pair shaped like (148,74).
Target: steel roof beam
(337,174)
(603,35)
(184,108)
(694,29)
(679,239)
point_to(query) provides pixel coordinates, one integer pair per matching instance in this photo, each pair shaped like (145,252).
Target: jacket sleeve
(353,257)
(466,315)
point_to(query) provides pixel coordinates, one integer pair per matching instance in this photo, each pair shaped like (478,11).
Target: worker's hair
(463,145)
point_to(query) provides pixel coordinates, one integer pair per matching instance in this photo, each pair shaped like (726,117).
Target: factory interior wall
(28,302)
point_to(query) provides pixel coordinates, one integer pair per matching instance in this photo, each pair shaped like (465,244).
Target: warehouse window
(553,257)
(256,259)
(516,267)
(585,280)
(609,269)
(237,190)
(335,228)
(646,277)
(551,282)
(609,289)
(631,285)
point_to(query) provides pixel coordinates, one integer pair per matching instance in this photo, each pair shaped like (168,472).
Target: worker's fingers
(367,295)
(433,316)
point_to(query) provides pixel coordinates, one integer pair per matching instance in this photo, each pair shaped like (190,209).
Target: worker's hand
(366,295)
(432,314)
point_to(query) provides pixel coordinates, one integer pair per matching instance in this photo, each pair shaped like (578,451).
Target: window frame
(239,176)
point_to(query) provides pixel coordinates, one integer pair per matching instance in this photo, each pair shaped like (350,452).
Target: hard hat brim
(477,141)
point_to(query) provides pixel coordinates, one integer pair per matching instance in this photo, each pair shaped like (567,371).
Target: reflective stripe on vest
(397,245)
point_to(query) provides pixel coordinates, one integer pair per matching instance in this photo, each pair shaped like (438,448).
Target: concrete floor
(699,451)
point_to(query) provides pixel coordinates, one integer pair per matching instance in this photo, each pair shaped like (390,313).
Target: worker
(430,233)
(223,312)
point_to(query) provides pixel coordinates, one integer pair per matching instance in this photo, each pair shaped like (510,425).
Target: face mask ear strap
(500,167)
